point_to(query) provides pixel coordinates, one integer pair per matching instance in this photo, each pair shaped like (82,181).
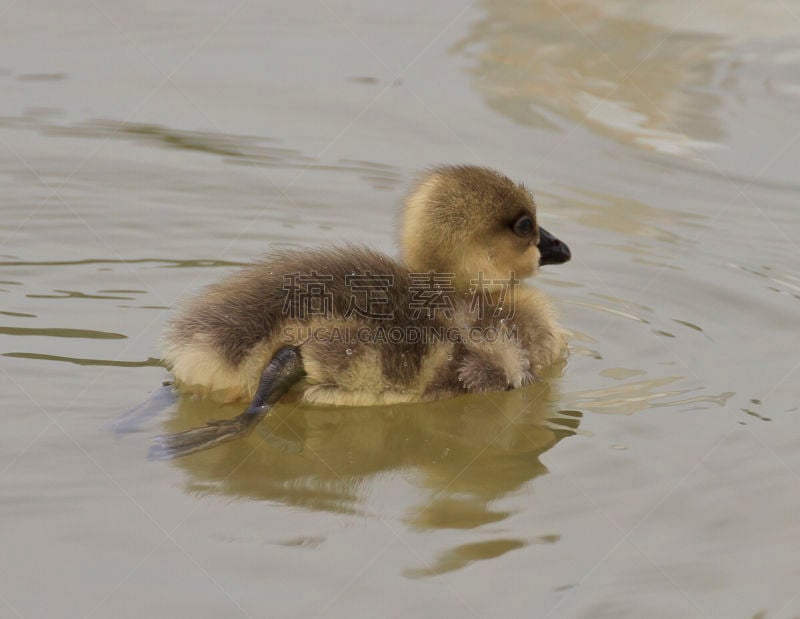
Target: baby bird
(362,328)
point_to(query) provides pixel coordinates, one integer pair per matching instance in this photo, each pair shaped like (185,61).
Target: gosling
(362,328)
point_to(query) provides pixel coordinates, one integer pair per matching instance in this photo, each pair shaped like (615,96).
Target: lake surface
(148,150)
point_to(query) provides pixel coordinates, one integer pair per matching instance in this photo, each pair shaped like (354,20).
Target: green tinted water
(147,151)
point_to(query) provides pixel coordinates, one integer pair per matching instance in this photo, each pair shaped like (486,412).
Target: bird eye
(523,226)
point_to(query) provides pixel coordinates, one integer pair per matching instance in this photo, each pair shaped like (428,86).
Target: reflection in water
(624,77)
(41,77)
(621,373)
(688,324)
(18,314)
(150,362)
(463,453)
(76,294)
(237,149)
(60,332)
(610,310)
(782,283)
(465,554)
(160,262)
(635,396)
(629,217)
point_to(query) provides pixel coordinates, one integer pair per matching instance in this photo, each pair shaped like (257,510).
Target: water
(146,151)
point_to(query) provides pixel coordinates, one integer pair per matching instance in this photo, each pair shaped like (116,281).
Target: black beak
(551,249)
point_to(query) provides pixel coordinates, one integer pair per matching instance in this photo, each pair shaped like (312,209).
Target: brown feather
(457,220)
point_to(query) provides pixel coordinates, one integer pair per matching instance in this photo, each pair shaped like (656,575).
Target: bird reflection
(462,454)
